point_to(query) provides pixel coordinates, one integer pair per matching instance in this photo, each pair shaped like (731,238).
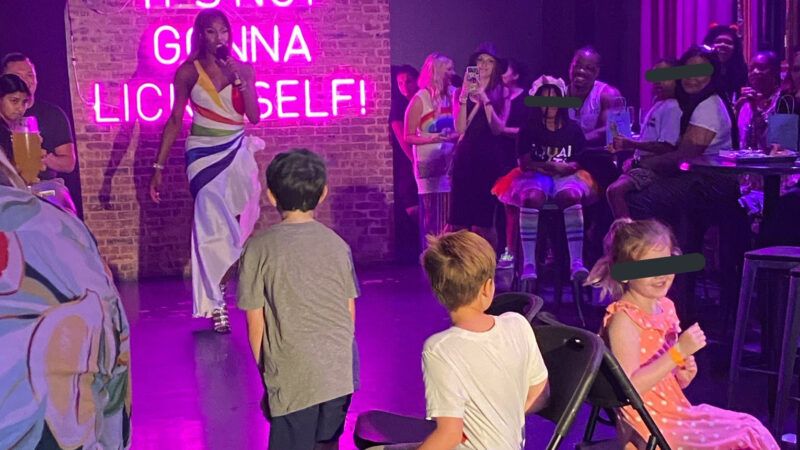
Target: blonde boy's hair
(458,264)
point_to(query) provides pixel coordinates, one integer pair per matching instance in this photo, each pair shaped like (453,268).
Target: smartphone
(472,78)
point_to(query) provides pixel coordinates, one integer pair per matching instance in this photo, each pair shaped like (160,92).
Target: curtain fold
(669,27)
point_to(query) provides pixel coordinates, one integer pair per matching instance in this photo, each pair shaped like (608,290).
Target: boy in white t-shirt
(484,373)
(660,134)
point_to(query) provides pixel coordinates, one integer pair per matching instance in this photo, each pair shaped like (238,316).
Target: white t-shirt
(483,378)
(712,115)
(662,123)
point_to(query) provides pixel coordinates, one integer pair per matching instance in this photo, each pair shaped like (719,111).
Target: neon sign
(280,95)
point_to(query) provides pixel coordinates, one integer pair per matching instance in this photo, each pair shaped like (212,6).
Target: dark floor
(194,389)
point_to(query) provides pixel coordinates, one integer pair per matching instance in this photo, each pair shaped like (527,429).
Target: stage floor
(194,389)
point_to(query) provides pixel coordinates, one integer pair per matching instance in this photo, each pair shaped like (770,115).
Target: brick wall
(113,46)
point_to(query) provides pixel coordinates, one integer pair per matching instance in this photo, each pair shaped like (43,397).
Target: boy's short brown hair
(457,265)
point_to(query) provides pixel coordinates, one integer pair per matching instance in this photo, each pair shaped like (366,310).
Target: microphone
(222,53)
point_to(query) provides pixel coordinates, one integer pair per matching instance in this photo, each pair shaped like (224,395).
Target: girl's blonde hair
(433,76)
(627,241)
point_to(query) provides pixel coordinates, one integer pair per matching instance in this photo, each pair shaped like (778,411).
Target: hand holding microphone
(223,55)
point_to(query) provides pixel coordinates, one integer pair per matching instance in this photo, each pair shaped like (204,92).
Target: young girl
(660,134)
(644,334)
(548,148)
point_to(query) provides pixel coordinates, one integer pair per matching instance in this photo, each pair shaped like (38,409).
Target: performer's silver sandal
(222,324)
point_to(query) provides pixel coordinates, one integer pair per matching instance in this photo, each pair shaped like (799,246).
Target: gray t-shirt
(301,275)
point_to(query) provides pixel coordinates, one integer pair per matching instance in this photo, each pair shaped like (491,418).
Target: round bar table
(770,171)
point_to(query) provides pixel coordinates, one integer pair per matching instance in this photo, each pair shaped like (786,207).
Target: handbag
(782,128)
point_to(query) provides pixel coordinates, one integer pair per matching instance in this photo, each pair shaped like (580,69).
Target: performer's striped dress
(223,179)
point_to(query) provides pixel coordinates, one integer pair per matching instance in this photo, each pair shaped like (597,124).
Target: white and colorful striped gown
(223,179)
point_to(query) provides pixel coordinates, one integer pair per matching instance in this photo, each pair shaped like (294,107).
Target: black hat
(488,48)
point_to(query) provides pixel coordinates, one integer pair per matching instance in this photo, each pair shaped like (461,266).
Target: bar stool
(775,258)
(791,333)
(552,230)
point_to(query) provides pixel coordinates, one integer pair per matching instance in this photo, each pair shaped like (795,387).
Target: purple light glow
(170,46)
(149,98)
(286,98)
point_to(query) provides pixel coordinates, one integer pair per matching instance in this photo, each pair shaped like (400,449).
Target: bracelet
(158,166)
(676,356)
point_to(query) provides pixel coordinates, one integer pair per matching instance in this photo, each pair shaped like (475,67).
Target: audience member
(297,285)
(429,128)
(404,87)
(483,374)
(758,100)
(516,81)
(660,134)
(643,331)
(65,338)
(550,146)
(725,41)
(481,114)
(55,130)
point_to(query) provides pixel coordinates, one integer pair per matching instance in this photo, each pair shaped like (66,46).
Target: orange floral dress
(685,426)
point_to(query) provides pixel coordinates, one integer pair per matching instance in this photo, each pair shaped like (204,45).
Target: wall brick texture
(111,43)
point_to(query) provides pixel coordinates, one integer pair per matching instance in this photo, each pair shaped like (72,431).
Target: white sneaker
(506,260)
(528,272)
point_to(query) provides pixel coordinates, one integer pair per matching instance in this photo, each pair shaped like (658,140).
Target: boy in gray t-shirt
(298,285)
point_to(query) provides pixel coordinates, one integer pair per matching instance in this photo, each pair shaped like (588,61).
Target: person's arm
(657,148)
(538,396)
(255,331)
(447,435)
(247,89)
(497,119)
(184,79)
(625,339)
(400,135)
(693,143)
(62,159)
(460,110)
(351,305)
(626,344)
(608,97)
(413,116)
(250,294)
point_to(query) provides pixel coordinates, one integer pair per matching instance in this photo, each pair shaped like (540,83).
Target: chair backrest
(572,357)
(613,389)
(519,302)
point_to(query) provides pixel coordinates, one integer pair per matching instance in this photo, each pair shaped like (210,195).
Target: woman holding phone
(222,170)
(481,109)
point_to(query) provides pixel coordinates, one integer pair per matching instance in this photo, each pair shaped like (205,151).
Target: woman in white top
(705,128)
(429,128)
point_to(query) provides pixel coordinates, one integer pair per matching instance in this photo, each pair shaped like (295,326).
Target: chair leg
(577,296)
(745,294)
(791,331)
(590,427)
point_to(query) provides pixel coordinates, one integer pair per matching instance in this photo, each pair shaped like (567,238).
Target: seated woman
(705,128)
(549,147)
(660,134)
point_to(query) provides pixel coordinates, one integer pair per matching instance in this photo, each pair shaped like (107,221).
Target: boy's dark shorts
(301,430)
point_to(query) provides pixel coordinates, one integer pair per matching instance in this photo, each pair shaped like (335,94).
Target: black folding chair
(572,357)
(519,302)
(613,389)
(375,428)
